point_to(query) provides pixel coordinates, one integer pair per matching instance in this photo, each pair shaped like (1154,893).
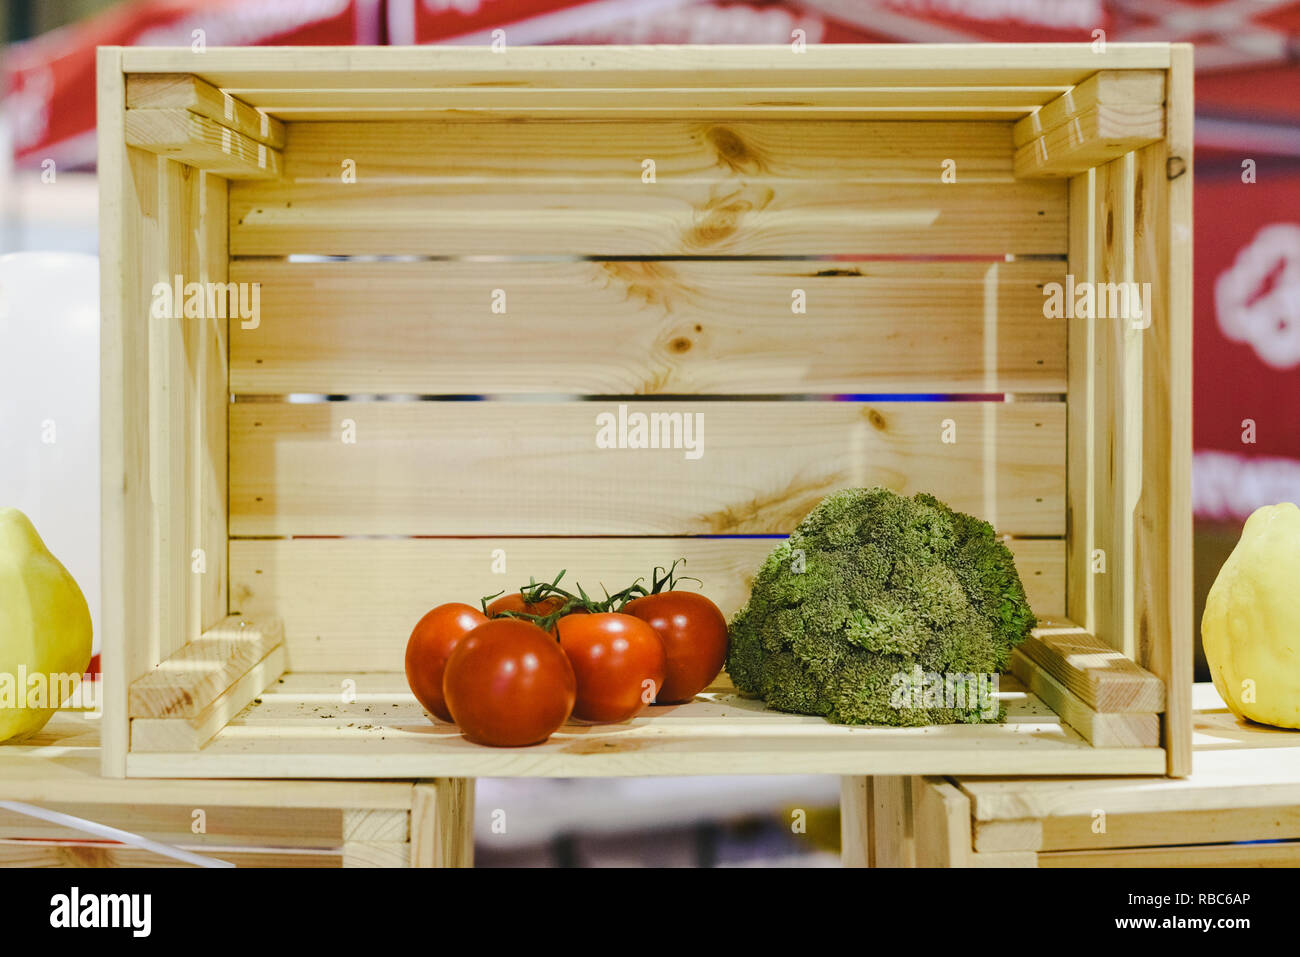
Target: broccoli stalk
(870,586)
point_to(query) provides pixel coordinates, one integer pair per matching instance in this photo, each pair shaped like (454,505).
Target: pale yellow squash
(45,629)
(1251,626)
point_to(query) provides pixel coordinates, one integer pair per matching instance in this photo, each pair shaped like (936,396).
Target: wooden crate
(246,823)
(1239,808)
(746,233)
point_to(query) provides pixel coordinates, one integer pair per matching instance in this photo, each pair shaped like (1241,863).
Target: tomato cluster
(515,671)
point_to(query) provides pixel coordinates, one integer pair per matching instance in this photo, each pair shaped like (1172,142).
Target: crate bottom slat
(335,725)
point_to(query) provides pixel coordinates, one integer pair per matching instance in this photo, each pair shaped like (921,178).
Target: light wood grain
(96,854)
(187,92)
(197,141)
(941,824)
(1117,414)
(402,101)
(1103,730)
(129,626)
(192,733)
(368,725)
(351,603)
(191,679)
(893,842)
(1286,854)
(623,67)
(1097,135)
(475,468)
(1102,678)
(1115,88)
(59,765)
(1081,400)
(557,188)
(442,824)
(1165,627)
(1166,827)
(222,826)
(855,821)
(376,854)
(998,836)
(618,328)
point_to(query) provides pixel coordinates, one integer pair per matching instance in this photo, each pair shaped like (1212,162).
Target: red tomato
(515,602)
(508,684)
(619,663)
(431,643)
(694,634)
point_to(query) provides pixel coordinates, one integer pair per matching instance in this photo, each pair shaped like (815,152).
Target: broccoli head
(872,597)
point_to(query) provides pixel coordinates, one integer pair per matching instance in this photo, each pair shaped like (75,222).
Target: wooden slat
(376,854)
(942,824)
(350,603)
(1163,826)
(442,824)
(475,468)
(1081,438)
(1118,413)
(128,240)
(376,824)
(646,67)
(1114,88)
(1101,677)
(1162,559)
(401,102)
(304,727)
(84,854)
(1103,730)
(996,836)
(198,389)
(190,680)
(59,765)
(177,823)
(187,92)
(572,156)
(203,143)
(190,734)
(893,833)
(1098,135)
(1196,855)
(751,188)
(856,845)
(618,328)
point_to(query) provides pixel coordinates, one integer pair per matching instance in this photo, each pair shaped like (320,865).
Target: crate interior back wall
(837,259)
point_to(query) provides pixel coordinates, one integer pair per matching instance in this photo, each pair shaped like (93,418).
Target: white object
(49,406)
(113,834)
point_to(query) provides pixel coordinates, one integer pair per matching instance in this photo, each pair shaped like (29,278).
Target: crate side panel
(128,222)
(352,603)
(621,328)
(189,394)
(1163,549)
(1117,416)
(480,468)
(648,189)
(1080,401)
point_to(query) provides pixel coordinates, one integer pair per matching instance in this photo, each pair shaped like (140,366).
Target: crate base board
(326,725)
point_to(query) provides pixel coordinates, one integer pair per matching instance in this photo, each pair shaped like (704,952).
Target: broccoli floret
(873,599)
